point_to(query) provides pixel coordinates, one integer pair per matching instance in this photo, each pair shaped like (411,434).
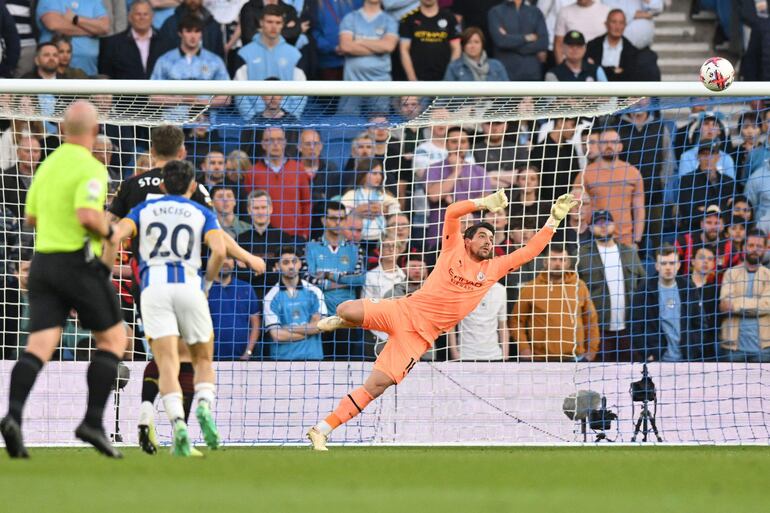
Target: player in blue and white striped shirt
(171,231)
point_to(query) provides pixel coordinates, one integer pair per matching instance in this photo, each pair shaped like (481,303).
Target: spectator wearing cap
(613,52)
(613,273)
(709,131)
(660,320)
(708,235)
(706,186)
(520,38)
(83,21)
(757,191)
(575,67)
(585,16)
(744,300)
(616,186)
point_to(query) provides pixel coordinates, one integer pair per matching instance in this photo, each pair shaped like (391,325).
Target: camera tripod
(646,423)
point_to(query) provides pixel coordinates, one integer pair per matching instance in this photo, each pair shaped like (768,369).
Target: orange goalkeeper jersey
(458,283)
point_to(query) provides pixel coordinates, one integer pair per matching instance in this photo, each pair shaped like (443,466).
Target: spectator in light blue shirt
(710,130)
(292,308)
(758,193)
(83,20)
(190,62)
(367,38)
(338,267)
(268,56)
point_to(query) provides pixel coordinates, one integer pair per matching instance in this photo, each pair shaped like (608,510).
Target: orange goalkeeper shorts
(404,346)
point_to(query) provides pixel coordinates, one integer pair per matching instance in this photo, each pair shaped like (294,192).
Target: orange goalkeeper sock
(350,406)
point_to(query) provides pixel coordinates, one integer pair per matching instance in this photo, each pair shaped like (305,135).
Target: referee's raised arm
(65,204)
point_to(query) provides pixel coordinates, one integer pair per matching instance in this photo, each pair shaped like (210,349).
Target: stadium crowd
(669,235)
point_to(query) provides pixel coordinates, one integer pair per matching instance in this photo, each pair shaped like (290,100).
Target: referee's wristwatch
(75,19)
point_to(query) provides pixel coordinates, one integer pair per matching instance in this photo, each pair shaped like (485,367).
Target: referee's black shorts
(60,282)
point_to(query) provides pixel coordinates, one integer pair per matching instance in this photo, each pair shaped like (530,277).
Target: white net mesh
(382,185)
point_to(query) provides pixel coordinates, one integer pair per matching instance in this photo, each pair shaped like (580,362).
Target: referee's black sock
(23,376)
(101,375)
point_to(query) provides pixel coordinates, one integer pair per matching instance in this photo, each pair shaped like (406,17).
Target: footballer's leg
(148,440)
(202,356)
(397,358)
(102,372)
(350,314)
(350,406)
(40,346)
(167,359)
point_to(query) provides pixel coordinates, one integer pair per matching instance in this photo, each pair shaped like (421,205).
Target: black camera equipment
(590,408)
(124,374)
(643,391)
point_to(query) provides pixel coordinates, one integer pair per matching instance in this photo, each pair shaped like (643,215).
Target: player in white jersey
(171,231)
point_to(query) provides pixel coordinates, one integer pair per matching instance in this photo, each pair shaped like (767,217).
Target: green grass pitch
(386,479)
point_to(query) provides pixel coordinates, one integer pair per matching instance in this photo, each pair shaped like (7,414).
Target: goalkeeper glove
(560,209)
(494,202)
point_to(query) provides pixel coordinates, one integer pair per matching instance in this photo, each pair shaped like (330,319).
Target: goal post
(361,200)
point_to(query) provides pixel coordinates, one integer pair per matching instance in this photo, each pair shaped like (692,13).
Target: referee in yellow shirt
(65,204)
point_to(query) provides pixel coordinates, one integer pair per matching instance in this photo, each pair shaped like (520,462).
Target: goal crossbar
(343,88)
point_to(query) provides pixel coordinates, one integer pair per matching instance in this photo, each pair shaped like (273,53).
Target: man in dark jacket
(706,186)
(613,273)
(212,32)
(613,52)
(660,319)
(131,54)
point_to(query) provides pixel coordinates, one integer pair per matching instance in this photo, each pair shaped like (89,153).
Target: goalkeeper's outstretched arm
(493,202)
(537,244)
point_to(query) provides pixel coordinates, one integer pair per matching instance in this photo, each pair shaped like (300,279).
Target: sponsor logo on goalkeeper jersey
(456,279)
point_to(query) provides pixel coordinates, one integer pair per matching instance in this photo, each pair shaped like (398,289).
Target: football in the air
(717,74)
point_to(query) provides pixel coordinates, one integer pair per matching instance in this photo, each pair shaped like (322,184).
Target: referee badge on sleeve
(94,188)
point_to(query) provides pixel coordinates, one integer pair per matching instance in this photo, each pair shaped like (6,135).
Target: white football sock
(146,413)
(323,427)
(206,392)
(174,407)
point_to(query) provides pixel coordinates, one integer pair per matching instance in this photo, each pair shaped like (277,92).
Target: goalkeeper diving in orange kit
(465,270)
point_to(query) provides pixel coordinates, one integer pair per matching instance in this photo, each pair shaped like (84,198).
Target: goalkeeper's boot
(97,438)
(195,453)
(148,438)
(206,422)
(332,323)
(318,439)
(181,445)
(14,443)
